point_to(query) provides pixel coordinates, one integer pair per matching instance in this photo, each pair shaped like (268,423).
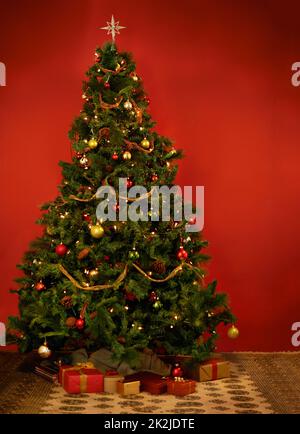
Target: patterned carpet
(259,383)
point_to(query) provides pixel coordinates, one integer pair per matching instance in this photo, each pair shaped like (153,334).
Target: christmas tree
(121,285)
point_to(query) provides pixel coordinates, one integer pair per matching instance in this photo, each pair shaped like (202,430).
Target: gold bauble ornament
(118,67)
(127,105)
(145,143)
(97,231)
(93,143)
(43,351)
(135,78)
(94,273)
(127,155)
(233,332)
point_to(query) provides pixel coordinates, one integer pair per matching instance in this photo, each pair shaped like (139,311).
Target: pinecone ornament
(67,301)
(70,322)
(159,267)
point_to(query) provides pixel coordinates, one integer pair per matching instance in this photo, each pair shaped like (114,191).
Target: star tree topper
(113,28)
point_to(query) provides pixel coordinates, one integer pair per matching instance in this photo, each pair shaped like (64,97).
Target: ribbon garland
(113,71)
(131,145)
(170,276)
(122,276)
(78,199)
(138,111)
(104,132)
(113,285)
(106,105)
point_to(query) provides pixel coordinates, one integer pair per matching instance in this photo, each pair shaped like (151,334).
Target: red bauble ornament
(115,156)
(78,155)
(192,220)
(107,85)
(80,323)
(61,249)
(152,296)
(130,296)
(154,178)
(106,258)
(147,99)
(39,286)
(182,254)
(86,217)
(177,370)
(129,183)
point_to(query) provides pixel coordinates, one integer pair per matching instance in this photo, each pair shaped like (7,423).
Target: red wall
(218,74)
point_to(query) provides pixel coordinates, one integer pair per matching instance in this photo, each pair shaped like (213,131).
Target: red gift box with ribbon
(180,386)
(212,369)
(83,378)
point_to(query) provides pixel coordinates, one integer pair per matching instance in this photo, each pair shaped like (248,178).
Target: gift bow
(83,377)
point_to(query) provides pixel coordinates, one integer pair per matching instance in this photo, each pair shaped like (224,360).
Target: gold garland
(95,287)
(122,276)
(170,276)
(145,196)
(78,199)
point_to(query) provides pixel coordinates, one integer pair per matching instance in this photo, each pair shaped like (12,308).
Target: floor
(259,383)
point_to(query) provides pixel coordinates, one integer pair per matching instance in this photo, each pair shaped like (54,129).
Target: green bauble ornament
(157,304)
(133,254)
(170,154)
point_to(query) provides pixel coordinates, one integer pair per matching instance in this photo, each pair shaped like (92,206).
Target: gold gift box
(212,369)
(129,388)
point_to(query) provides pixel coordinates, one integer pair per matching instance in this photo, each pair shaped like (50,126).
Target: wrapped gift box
(149,382)
(212,369)
(128,387)
(111,379)
(181,387)
(78,379)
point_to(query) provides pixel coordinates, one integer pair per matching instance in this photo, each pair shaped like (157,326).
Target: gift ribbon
(214,371)
(83,377)
(214,368)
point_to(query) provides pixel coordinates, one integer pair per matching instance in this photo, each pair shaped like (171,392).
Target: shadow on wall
(2,74)
(2,335)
